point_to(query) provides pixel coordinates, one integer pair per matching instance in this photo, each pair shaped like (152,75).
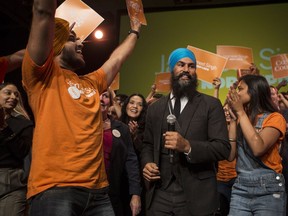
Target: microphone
(171,119)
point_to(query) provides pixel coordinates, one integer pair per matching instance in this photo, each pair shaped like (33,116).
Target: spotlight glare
(98,34)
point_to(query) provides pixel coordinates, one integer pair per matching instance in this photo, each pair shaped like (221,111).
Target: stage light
(98,34)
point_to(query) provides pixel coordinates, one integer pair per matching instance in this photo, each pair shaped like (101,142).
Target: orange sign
(162,81)
(85,18)
(115,83)
(209,65)
(242,72)
(279,65)
(135,11)
(238,57)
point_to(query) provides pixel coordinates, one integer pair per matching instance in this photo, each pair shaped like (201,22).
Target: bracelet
(232,140)
(134,32)
(188,152)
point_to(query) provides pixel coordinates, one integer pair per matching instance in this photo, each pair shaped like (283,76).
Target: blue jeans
(71,201)
(262,195)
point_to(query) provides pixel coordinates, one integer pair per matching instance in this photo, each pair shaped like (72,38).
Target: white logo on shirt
(76,90)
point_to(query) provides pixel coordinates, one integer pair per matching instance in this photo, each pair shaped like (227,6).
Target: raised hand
(133,127)
(254,70)
(216,82)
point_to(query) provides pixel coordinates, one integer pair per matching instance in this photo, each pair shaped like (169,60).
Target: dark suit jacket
(124,173)
(203,124)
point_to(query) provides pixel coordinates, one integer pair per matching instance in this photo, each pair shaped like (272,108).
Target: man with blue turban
(185,136)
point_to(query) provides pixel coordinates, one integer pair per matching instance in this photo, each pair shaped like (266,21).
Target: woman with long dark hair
(121,163)
(15,142)
(255,137)
(134,114)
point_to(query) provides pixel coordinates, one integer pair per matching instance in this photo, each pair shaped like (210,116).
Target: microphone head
(171,119)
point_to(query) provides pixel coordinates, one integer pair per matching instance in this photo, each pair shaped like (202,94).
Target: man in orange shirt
(67,174)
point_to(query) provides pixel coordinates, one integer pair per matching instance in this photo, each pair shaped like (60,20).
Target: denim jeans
(13,203)
(262,195)
(71,201)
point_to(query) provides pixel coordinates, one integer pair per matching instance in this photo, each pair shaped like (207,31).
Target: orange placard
(242,72)
(115,83)
(136,11)
(162,81)
(238,57)
(85,18)
(279,65)
(209,65)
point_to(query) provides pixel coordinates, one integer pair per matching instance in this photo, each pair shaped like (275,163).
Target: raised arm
(15,60)
(283,99)
(254,69)
(216,84)
(232,132)
(260,142)
(281,84)
(121,53)
(151,93)
(116,105)
(42,30)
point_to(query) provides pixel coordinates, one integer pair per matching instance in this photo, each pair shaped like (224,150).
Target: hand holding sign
(135,11)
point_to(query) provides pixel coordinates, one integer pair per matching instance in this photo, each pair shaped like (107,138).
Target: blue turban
(178,54)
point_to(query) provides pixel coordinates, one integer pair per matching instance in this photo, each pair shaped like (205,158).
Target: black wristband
(134,32)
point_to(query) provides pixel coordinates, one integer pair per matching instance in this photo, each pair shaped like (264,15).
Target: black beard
(72,61)
(185,89)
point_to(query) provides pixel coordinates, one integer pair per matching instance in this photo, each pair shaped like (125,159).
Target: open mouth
(184,77)
(134,111)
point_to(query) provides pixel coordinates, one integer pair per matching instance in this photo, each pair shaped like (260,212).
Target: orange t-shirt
(226,170)
(67,142)
(3,67)
(272,157)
